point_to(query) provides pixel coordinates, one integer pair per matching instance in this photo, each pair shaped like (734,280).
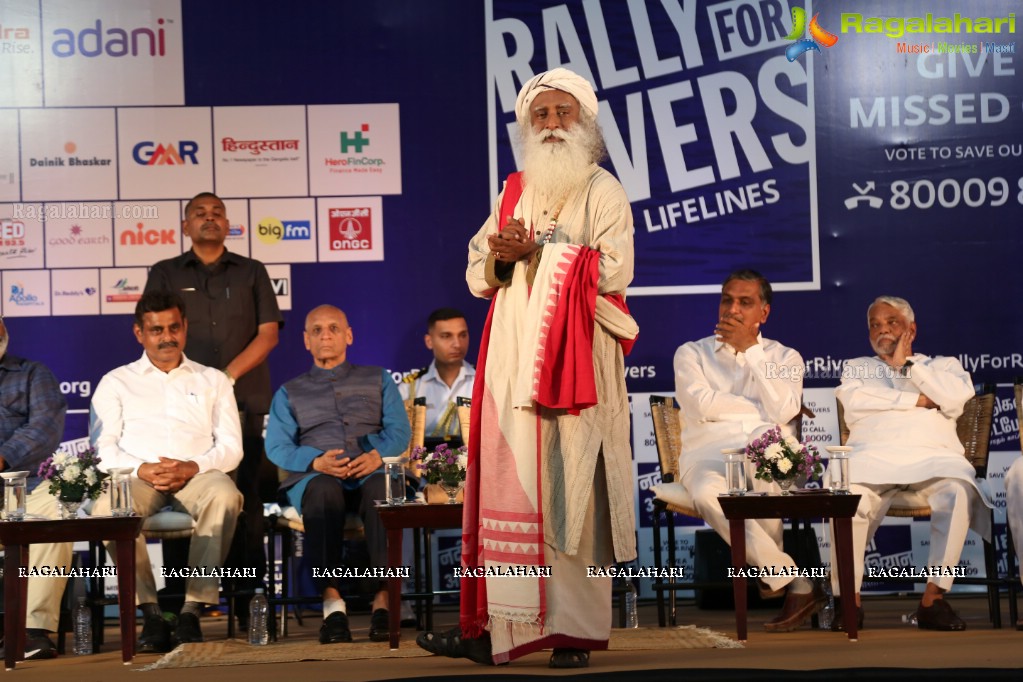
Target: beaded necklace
(549,232)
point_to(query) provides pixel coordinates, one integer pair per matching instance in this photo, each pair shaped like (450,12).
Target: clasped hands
(333,463)
(512,243)
(168,475)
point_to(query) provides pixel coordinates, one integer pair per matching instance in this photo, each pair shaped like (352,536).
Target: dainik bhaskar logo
(351,229)
(818,36)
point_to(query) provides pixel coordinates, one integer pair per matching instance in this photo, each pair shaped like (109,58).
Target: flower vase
(452,490)
(785,484)
(68,509)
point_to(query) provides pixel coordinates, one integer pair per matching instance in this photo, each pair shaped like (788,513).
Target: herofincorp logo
(95,40)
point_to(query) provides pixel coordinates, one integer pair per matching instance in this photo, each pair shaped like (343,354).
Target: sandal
(452,645)
(570,658)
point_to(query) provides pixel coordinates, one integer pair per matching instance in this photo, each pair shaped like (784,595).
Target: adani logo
(272,230)
(155,154)
(112,42)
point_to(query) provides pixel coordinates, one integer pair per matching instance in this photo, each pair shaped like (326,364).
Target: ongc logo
(91,42)
(272,230)
(153,154)
(351,229)
(141,236)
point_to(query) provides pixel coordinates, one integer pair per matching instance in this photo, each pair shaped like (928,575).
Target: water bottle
(83,629)
(827,614)
(910,619)
(258,610)
(631,612)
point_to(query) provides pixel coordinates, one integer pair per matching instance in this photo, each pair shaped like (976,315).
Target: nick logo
(116,42)
(152,154)
(818,36)
(141,236)
(356,142)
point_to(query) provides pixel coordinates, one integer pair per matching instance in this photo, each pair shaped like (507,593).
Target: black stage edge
(694,674)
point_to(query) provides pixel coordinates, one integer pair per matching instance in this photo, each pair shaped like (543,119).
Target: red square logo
(351,229)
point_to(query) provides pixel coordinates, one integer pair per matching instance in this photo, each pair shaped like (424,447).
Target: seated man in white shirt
(176,423)
(447,378)
(729,385)
(901,409)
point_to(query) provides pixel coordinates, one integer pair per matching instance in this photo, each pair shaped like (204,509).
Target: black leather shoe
(838,618)
(938,616)
(335,629)
(155,637)
(379,626)
(452,645)
(188,629)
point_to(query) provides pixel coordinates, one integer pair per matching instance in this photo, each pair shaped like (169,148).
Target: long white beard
(555,169)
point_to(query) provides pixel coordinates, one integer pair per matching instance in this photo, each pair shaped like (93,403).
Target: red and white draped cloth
(535,354)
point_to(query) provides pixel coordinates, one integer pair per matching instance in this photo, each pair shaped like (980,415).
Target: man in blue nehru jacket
(31,426)
(330,429)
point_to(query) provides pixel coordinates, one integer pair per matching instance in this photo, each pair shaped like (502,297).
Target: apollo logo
(153,154)
(272,230)
(114,42)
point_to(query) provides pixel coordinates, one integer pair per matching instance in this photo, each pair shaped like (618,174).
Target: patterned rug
(238,652)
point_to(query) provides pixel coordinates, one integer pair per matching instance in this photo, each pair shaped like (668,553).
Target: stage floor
(885,643)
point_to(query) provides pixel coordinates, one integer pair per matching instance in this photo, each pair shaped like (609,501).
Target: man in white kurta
(901,409)
(728,386)
(554,486)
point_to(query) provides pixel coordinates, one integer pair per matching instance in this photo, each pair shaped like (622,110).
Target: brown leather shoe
(938,616)
(767,592)
(798,608)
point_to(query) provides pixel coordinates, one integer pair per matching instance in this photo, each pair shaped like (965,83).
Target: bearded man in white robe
(549,488)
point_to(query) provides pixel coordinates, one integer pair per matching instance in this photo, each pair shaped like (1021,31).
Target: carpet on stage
(238,652)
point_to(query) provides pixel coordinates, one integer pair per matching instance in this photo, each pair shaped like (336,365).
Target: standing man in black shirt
(233,323)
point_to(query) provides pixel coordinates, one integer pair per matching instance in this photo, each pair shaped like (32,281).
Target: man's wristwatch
(904,370)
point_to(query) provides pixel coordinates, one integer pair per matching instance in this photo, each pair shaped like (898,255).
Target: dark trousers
(325,503)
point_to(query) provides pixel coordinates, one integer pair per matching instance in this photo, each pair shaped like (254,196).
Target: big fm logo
(156,154)
(140,236)
(818,36)
(272,230)
(113,42)
(351,229)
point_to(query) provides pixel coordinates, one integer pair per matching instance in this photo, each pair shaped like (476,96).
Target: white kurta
(724,396)
(893,440)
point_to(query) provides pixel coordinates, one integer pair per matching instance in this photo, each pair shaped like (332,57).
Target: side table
(16,536)
(841,508)
(396,518)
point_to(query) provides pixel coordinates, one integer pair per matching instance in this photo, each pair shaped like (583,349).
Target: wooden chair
(974,430)
(1013,573)
(288,521)
(673,498)
(464,407)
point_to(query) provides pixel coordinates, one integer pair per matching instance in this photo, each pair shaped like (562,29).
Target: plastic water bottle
(910,619)
(631,610)
(827,614)
(83,629)
(258,610)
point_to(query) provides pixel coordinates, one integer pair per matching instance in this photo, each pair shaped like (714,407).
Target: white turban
(556,79)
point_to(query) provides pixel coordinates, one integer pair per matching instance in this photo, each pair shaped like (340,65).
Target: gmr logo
(272,230)
(91,42)
(150,154)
